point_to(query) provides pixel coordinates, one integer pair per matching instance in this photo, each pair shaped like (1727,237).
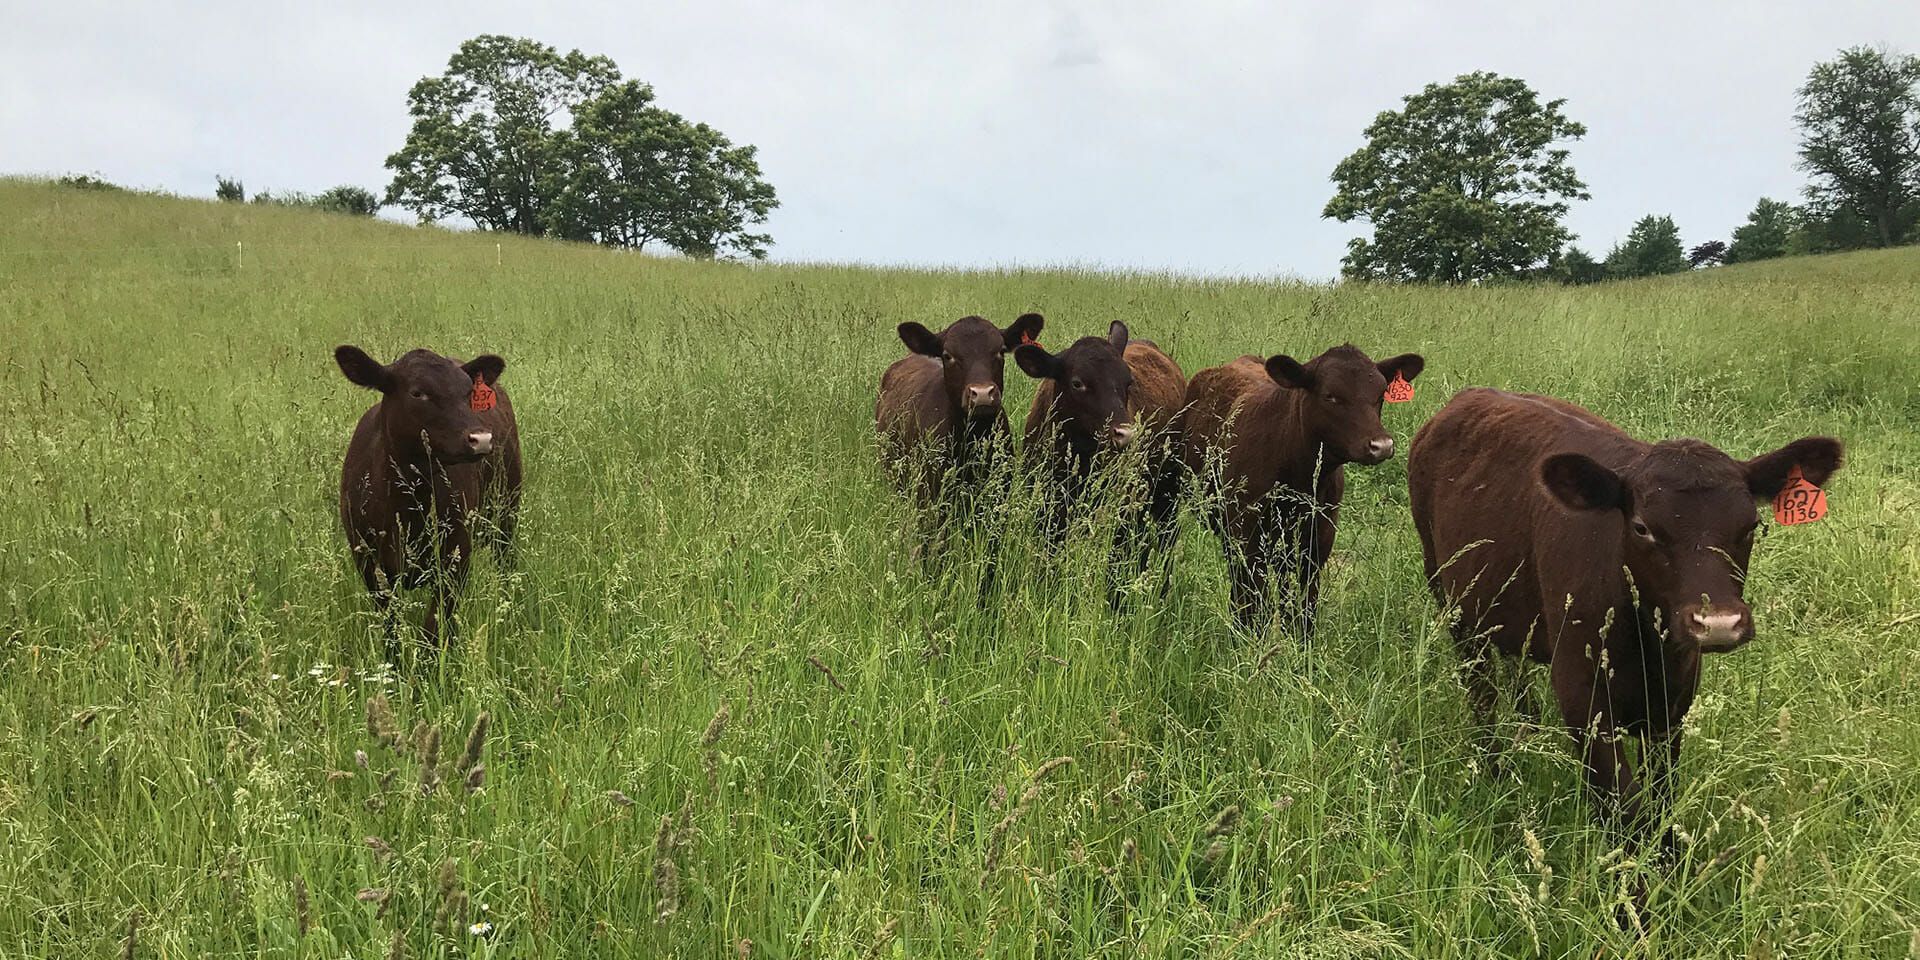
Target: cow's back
(1159,385)
(1218,399)
(1480,508)
(910,409)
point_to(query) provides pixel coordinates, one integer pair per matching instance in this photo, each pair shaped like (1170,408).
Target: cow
(939,415)
(1560,539)
(1269,442)
(1102,396)
(438,453)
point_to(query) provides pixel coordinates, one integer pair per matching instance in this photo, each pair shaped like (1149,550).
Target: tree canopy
(1859,117)
(1466,182)
(1651,249)
(517,136)
(1766,234)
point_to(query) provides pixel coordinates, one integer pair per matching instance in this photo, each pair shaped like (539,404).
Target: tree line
(1471,182)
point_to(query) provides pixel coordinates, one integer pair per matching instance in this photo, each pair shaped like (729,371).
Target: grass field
(186,659)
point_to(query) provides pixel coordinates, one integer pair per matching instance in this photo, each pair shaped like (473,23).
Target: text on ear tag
(1799,501)
(482,399)
(1399,391)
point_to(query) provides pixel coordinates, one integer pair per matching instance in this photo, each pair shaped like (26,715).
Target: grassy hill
(186,659)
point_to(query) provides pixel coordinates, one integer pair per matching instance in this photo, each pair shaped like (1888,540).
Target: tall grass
(727,714)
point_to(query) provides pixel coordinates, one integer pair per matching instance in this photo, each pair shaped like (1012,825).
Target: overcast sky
(1186,136)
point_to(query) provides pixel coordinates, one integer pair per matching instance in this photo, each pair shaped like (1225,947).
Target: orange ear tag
(482,399)
(1799,501)
(1399,391)
(1026,337)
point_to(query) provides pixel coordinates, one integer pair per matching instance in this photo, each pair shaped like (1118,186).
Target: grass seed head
(1225,821)
(476,742)
(380,723)
(381,852)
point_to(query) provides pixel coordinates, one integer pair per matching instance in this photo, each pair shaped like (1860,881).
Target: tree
(487,144)
(1577,267)
(1464,183)
(637,174)
(1766,234)
(1710,254)
(229,190)
(1859,117)
(483,138)
(1651,249)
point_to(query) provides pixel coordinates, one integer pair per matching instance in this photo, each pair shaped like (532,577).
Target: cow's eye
(946,358)
(418,394)
(1641,530)
(1333,399)
(1079,384)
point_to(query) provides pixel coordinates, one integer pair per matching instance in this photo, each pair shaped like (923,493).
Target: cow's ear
(1024,330)
(485,368)
(1577,481)
(1117,336)
(1287,372)
(920,340)
(1406,365)
(1036,361)
(362,369)
(1817,457)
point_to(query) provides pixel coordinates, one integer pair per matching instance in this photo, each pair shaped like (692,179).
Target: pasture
(724,702)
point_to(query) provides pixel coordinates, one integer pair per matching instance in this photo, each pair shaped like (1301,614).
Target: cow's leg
(1600,743)
(1319,530)
(1660,758)
(1251,582)
(380,587)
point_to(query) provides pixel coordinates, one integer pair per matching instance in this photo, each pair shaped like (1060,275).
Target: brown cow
(939,414)
(1279,435)
(1564,540)
(424,463)
(1104,395)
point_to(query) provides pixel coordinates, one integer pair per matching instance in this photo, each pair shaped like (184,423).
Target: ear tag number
(1399,391)
(1799,501)
(482,399)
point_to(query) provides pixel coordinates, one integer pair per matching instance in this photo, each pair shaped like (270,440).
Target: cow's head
(428,400)
(1342,392)
(972,355)
(1091,381)
(1687,517)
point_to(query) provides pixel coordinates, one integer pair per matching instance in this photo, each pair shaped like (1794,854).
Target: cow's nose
(480,441)
(1121,434)
(982,394)
(1721,630)
(1380,449)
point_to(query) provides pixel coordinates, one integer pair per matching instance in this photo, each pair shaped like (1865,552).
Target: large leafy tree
(1859,117)
(1766,234)
(636,174)
(483,137)
(1651,249)
(1467,182)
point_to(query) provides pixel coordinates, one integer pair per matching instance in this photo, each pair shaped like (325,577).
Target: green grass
(705,515)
